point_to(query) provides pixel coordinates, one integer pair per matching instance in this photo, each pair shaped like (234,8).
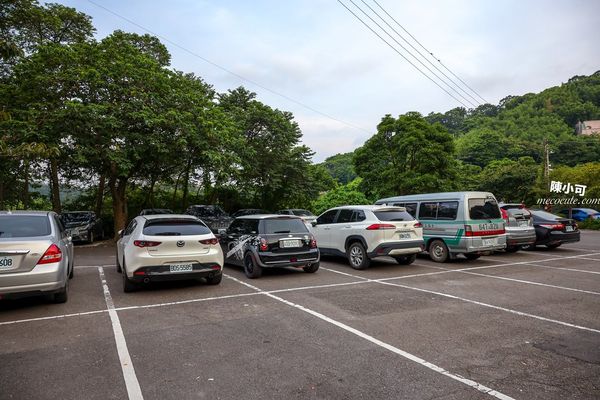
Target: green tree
(509,180)
(340,196)
(406,155)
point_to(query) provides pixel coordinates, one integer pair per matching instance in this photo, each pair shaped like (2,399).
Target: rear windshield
(484,208)
(393,216)
(545,215)
(284,225)
(175,228)
(18,226)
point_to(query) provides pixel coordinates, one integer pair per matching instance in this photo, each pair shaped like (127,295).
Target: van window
(484,208)
(428,211)
(411,208)
(447,210)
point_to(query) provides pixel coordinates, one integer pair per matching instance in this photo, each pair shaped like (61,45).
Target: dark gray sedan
(36,255)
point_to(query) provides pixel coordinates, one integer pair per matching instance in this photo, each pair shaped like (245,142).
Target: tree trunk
(100,194)
(118,188)
(25,191)
(186,185)
(174,199)
(54,186)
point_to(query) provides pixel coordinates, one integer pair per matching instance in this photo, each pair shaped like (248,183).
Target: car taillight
(504,214)
(553,227)
(418,225)
(313,243)
(52,255)
(377,227)
(263,245)
(145,243)
(212,241)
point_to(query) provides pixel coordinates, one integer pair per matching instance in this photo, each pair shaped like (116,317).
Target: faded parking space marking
(516,312)
(565,269)
(409,356)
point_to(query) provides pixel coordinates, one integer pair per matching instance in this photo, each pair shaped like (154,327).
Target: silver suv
(365,232)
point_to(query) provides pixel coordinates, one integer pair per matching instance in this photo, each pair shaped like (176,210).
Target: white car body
(145,257)
(401,239)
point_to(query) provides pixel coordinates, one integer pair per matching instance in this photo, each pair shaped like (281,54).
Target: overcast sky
(317,53)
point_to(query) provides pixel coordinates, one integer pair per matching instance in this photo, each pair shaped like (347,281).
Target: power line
(432,55)
(229,71)
(401,55)
(424,56)
(412,55)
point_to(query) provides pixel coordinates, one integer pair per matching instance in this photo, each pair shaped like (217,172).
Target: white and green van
(456,222)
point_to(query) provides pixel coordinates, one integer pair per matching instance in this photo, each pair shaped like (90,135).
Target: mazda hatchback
(157,248)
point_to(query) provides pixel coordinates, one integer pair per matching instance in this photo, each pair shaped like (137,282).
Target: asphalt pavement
(522,325)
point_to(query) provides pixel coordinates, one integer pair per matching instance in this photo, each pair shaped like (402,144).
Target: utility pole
(547,207)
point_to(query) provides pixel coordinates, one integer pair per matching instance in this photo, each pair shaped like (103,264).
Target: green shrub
(590,224)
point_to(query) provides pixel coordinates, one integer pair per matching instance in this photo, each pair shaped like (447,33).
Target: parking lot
(523,325)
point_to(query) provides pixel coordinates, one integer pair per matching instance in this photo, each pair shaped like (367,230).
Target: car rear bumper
(518,237)
(161,273)
(477,245)
(555,237)
(45,278)
(300,259)
(397,248)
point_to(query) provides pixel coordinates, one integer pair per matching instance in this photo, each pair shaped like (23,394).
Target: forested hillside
(499,148)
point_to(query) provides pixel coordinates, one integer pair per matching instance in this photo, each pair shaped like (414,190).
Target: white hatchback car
(168,247)
(367,231)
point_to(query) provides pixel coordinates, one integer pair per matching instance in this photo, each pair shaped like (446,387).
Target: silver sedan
(36,255)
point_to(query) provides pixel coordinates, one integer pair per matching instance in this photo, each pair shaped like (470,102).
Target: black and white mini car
(256,242)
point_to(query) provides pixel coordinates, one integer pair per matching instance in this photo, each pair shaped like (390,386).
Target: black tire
(357,256)
(528,247)
(72,271)
(63,295)
(553,246)
(406,260)
(214,280)
(438,251)
(119,269)
(251,269)
(512,249)
(312,268)
(128,286)
(91,237)
(472,256)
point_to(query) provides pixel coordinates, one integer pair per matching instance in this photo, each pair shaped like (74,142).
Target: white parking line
(565,269)
(79,314)
(591,259)
(524,314)
(387,346)
(517,280)
(134,392)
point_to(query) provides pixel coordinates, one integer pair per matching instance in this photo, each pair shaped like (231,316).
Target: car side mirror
(121,233)
(313,223)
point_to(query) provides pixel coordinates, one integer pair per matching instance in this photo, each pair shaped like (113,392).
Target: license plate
(180,267)
(488,242)
(289,243)
(6,262)
(569,228)
(523,223)
(404,235)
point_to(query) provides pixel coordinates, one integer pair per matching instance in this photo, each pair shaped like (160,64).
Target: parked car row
(36,248)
